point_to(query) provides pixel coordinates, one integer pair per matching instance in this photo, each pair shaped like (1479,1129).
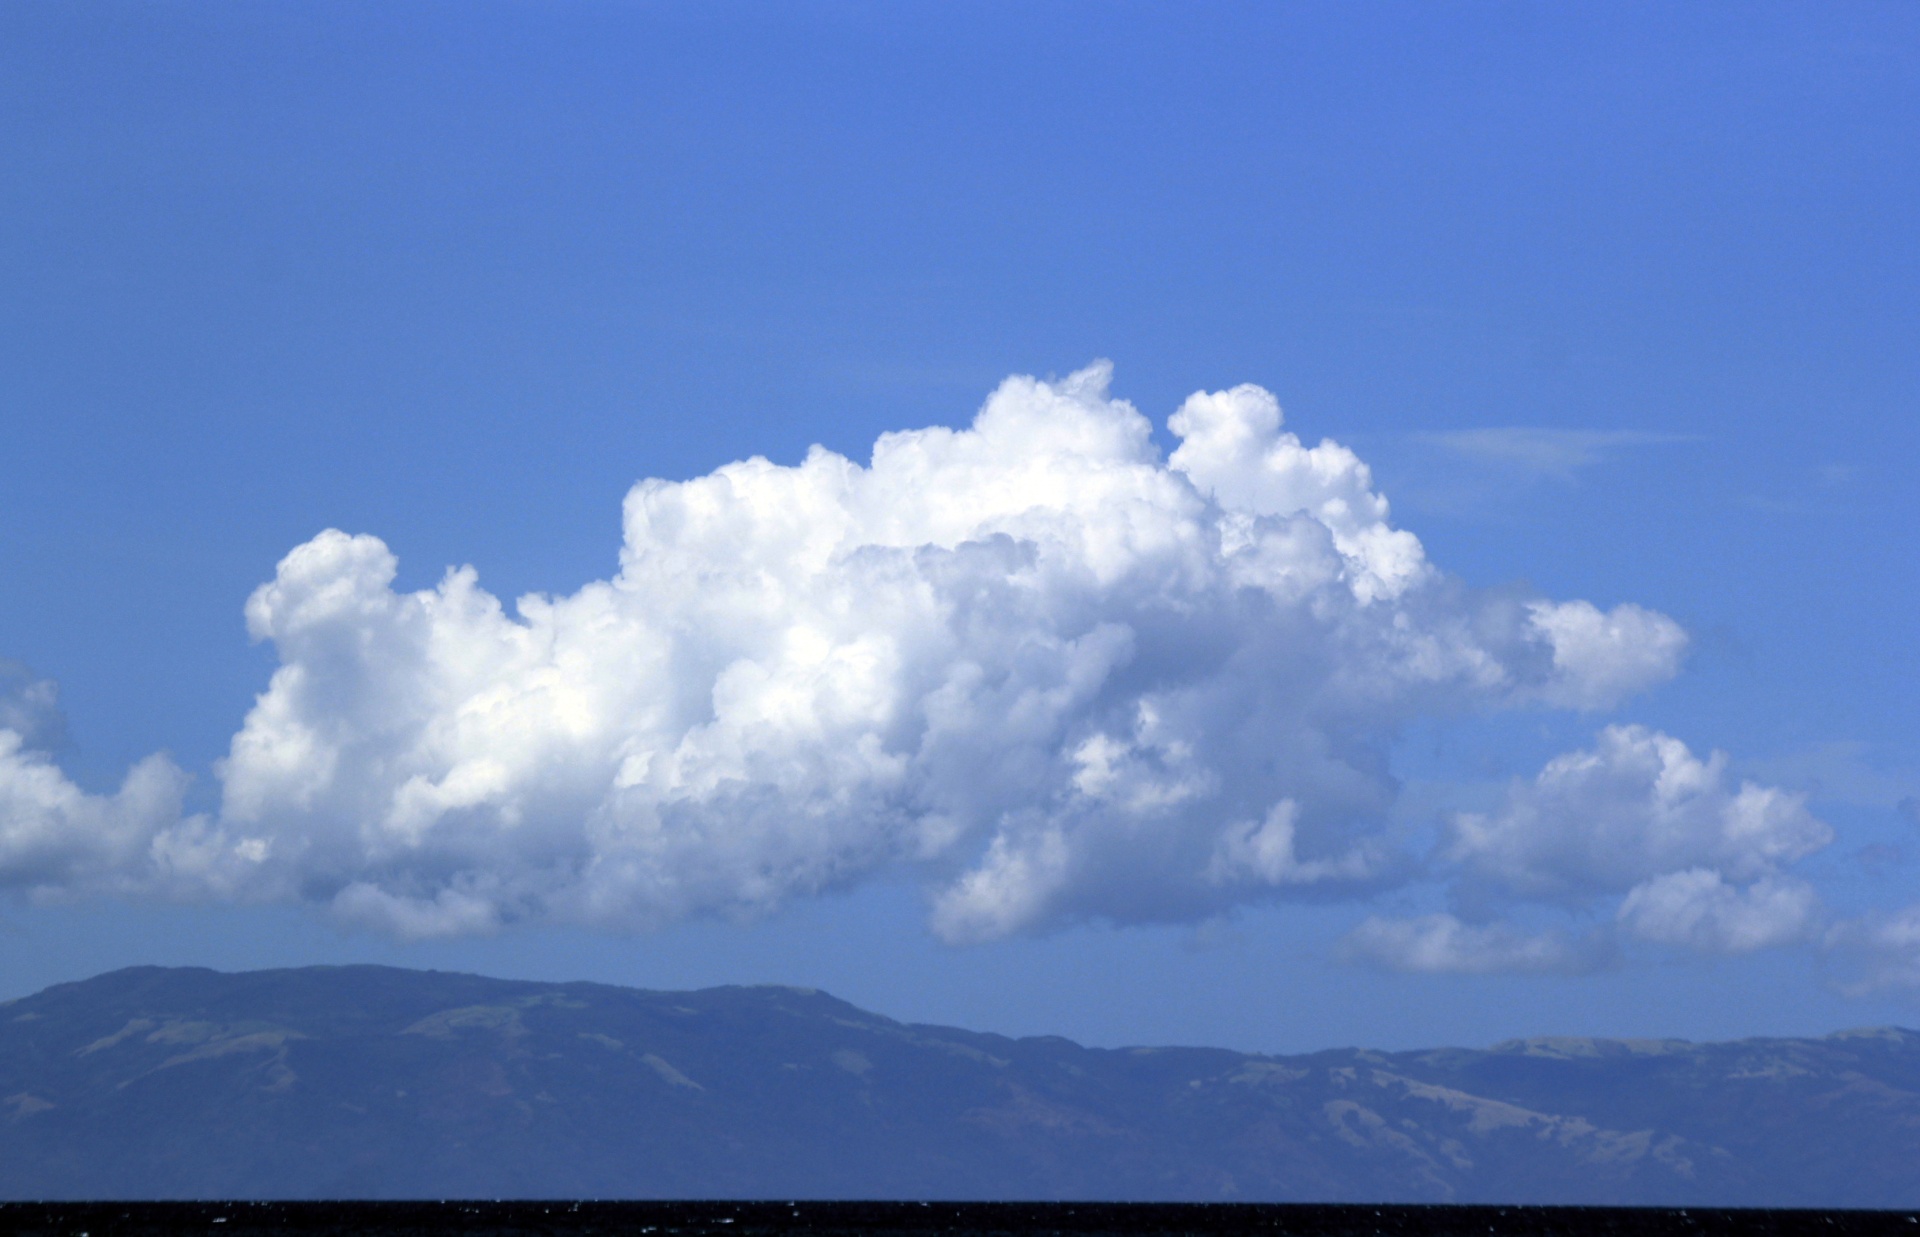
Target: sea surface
(829,1219)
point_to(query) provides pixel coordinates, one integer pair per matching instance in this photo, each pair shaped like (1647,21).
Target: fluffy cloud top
(1059,673)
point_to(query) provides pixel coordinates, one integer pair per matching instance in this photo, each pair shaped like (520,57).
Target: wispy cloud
(1844,772)
(1545,451)
(1444,945)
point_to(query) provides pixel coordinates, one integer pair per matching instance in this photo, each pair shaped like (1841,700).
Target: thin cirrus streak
(1060,675)
(1542,450)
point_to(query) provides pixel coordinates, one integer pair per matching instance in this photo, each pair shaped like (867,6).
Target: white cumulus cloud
(1700,910)
(1062,676)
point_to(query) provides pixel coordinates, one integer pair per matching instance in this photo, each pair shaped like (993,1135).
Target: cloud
(1557,453)
(1879,951)
(1700,910)
(30,706)
(1444,945)
(1685,857)
(54,837)
(1604,655)
(1840,772)
(1057,675)
(1639,804)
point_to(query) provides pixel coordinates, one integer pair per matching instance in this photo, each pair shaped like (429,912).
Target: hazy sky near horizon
(1422,547)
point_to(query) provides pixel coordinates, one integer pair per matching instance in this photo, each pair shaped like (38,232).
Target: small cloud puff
(1700,910)
(30,706)
(1059,675)
(1638,804)
(1695,860)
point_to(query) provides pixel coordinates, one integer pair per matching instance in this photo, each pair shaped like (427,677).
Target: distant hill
(371,1082)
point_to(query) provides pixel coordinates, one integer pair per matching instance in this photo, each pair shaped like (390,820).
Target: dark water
(711,1219)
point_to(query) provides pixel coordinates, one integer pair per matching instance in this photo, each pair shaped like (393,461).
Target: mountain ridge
(381,1082)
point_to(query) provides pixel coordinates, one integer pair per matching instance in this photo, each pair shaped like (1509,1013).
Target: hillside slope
(375,1082)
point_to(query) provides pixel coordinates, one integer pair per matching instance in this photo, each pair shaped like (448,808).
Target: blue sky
(1620,303)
